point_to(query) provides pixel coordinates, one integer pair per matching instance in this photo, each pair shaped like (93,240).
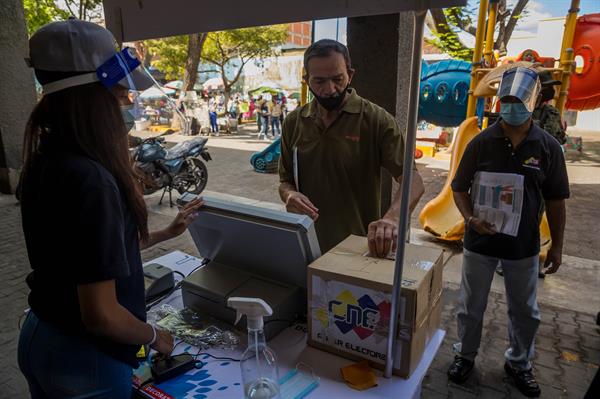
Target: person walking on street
(264,120)
(508,174)
(212,113)
(257,105)
(276,113)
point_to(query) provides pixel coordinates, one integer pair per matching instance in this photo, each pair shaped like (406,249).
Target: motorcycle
(179,167)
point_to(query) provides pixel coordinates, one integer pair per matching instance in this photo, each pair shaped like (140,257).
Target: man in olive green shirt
(332,152)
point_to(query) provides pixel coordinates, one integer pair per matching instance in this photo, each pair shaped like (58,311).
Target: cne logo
(359,315)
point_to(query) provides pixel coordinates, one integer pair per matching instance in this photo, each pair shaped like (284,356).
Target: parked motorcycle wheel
(195,178)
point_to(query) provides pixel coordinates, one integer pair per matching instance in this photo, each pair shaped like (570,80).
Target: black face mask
(331,103)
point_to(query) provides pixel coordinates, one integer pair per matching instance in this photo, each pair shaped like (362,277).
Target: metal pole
(409,154)
(477,53)
(566,55)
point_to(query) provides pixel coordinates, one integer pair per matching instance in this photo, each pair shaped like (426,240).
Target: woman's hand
(186,215)
(163,343)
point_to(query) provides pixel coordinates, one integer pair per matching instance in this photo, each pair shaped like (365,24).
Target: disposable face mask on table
(298,383)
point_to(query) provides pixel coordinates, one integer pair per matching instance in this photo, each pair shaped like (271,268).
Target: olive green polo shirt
(339,166)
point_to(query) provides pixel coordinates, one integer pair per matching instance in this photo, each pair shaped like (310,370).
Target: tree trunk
(507,21)
(190,75)
(227,95)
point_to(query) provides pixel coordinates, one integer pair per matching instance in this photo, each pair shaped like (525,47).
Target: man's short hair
(324,48)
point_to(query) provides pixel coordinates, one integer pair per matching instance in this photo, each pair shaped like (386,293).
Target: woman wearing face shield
(84,221)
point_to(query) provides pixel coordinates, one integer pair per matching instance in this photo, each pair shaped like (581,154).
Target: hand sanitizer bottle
(260,375)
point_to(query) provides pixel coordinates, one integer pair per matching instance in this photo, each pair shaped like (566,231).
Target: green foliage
(231,50)
(40,12)
(448,23)
(169,55)
(451,45)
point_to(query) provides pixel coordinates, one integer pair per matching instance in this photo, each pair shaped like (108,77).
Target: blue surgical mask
(127,113)
(514,114)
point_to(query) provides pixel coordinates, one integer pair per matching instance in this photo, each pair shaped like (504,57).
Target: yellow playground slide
(441,217)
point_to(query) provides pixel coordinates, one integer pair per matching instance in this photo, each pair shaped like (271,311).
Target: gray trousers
(520,282)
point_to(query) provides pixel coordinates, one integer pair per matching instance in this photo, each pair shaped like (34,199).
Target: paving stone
(547,359)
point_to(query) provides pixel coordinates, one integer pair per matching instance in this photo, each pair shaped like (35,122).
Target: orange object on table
(359,376)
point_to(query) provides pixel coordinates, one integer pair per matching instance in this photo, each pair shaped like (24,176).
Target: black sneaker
(524,380)
(460,370)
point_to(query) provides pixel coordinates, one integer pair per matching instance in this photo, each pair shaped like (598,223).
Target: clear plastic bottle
(260,373)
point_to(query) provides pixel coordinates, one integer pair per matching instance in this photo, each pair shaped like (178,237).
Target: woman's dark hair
(324,48)
(87,119)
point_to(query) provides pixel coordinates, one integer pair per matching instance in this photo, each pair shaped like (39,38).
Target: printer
(252,252)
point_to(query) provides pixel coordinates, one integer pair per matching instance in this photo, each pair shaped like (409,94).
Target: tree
(195,45)
(86,10)
(177,56)
(447,23)
(231,50)
(169,55)
(40,12)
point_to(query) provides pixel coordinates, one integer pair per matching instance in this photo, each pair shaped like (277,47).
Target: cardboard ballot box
(349,303)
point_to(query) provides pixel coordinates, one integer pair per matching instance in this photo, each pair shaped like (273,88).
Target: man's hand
(553,260)
(382,237)
(299,203)
(186,215)
(481,226)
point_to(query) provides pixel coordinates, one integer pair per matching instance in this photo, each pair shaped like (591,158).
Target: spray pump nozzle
(254,309)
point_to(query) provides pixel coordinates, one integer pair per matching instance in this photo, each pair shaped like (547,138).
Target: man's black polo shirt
(539,158)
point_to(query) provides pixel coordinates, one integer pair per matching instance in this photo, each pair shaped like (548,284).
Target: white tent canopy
(150,19)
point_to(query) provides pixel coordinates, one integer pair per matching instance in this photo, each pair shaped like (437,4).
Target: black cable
(215,357)
(204,263)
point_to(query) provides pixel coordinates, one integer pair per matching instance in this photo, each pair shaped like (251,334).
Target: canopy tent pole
(409,154)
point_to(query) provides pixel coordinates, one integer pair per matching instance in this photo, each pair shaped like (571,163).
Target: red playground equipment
(584,90)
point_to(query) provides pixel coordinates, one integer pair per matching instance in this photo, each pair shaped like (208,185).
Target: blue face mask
(514,114)
(127,113)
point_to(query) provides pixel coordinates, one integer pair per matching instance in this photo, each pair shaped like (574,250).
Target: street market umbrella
(266,87)
(295,96)
(154,93)
(178,84)
(213,84)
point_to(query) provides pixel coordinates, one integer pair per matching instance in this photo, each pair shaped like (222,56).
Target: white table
(221,379)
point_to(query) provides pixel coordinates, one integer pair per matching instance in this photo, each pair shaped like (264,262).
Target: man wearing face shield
(87,317)
(516,148)
(332,152)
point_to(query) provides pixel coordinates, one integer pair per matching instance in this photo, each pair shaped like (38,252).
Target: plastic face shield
(522,83)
